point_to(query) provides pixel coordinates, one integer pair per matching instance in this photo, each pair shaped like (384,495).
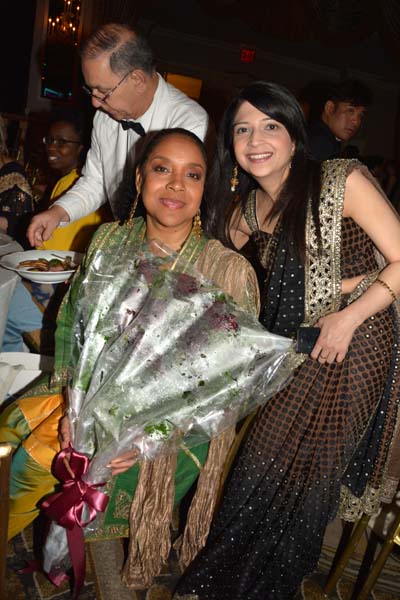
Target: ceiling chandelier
(63,21)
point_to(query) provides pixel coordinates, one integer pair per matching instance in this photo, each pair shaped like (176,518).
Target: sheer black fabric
(332,425)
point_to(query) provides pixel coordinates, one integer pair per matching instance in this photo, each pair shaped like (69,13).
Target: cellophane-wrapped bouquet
(162,358)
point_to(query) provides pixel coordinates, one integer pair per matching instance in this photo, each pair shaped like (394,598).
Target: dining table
(46,296)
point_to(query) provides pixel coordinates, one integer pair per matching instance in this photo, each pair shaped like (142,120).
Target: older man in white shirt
(132,99)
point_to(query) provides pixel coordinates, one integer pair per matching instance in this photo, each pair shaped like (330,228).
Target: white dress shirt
(112,150)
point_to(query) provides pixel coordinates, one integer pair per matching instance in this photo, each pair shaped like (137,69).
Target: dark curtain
(117,11)
(16,32)
(339,23)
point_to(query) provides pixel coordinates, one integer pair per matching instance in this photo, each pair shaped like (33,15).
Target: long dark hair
(303,181)
(152,141)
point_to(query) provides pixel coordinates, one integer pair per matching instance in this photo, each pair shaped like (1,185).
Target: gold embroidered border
(323,273)
(41,388)
(351,508)
(363,286)
(123,503)
(112,530)
(109,532)
(7,182)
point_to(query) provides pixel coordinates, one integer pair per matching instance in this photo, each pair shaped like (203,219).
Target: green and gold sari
(31,424)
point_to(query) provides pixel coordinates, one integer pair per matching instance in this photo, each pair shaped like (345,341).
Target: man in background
(343,109)
(131,99)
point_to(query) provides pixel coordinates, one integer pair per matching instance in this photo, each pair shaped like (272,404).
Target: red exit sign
(247,55)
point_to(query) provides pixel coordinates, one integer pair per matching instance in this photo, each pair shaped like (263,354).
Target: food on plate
(45,265)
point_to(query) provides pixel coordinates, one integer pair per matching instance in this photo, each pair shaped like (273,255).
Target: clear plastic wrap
(163,358)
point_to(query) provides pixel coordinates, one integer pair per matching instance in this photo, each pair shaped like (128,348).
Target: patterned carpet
(36,586)
(110,554)
(105,559)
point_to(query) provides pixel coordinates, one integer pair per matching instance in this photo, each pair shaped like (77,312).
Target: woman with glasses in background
(65,150)
(65,153)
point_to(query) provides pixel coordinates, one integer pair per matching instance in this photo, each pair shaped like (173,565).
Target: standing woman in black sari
(323,444)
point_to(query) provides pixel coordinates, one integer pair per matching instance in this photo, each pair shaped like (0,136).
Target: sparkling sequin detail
(329,430)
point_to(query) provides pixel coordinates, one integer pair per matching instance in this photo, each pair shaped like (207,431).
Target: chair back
(5,466)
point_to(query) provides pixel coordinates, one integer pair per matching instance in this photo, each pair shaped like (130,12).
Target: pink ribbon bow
(66,507)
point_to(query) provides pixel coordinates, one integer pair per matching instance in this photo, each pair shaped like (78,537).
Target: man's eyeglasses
(48,141)
(106,96)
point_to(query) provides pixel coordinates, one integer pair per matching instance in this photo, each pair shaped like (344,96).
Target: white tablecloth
(8,281)
(8,245)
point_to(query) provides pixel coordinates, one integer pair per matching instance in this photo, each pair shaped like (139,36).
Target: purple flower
(186,284)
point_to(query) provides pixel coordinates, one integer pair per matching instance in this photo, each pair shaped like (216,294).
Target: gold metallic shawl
(7,182)
(151,509)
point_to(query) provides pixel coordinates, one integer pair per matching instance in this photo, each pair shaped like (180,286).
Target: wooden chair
(344,552)
(5,466)
(343,556)
(393,538)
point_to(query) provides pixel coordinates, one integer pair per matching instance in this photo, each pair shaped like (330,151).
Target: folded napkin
(8,373)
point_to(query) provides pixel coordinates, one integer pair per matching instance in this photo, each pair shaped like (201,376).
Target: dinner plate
(11,261)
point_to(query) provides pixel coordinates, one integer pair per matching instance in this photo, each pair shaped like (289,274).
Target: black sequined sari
(329,432)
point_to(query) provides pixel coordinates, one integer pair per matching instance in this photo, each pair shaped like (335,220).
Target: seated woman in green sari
(170,179)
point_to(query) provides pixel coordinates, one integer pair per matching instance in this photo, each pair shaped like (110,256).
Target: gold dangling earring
(291,160)
(234,178)
(197,229)
(131,217)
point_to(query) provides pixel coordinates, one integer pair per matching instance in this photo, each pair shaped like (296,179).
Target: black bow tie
(137,127)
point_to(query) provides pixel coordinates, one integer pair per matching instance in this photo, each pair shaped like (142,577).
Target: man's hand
(42,225)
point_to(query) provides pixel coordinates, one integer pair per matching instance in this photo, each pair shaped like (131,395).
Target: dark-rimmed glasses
(48,141)
(106,96)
